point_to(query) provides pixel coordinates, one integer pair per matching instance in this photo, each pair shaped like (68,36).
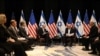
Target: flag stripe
(31,30)
(32,26)
(86,28)
(52,26)
(52,29)
(51,34)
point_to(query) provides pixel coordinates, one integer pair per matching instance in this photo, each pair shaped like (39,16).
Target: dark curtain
(15,6)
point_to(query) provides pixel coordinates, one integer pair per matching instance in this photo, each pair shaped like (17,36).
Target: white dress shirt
(69,34)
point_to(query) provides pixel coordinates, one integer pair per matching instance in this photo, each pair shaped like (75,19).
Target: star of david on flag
(78,26)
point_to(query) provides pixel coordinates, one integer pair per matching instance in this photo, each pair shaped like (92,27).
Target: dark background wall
(9,6)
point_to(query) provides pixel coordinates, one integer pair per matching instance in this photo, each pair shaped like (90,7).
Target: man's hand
(86,36)
(96,39)
(72,34)
(10,40)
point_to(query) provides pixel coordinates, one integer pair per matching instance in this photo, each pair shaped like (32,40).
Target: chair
(57,39)
(41,40)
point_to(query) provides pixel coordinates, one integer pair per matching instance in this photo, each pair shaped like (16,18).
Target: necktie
(16,33)
(15,30)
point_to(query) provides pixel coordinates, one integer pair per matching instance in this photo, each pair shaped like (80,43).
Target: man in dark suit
(69,35)
(15,34)
(13,29)
(23,33)
(40,31)
(43,32)
(85,42)
(92,36)
(6,42)
(96,45)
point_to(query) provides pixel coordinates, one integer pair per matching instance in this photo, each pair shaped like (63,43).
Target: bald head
(2,18)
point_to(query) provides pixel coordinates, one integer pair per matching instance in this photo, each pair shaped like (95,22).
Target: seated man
(14,31)
(85,42)
(93,36)
(6,42)
(43,32)
(69,35)
(23,33)
(96,44)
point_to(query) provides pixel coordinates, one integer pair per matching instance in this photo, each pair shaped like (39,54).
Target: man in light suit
(69,36)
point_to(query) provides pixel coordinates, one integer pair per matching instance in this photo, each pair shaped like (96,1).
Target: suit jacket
(71,31)
(93,32)
(4,35)
(22,32)
(41,32)
(14,34)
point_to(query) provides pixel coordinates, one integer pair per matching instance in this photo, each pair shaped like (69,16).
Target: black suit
(69,39)
(85,43)
(40,31)
(93,33)
(9,46)
(92,36)
(22,33)
(46,36)
(98,44)
(15,35)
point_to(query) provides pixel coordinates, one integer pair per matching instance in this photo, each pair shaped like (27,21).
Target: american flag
(86,26)
(52,26)
(32,26)
(69,20)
